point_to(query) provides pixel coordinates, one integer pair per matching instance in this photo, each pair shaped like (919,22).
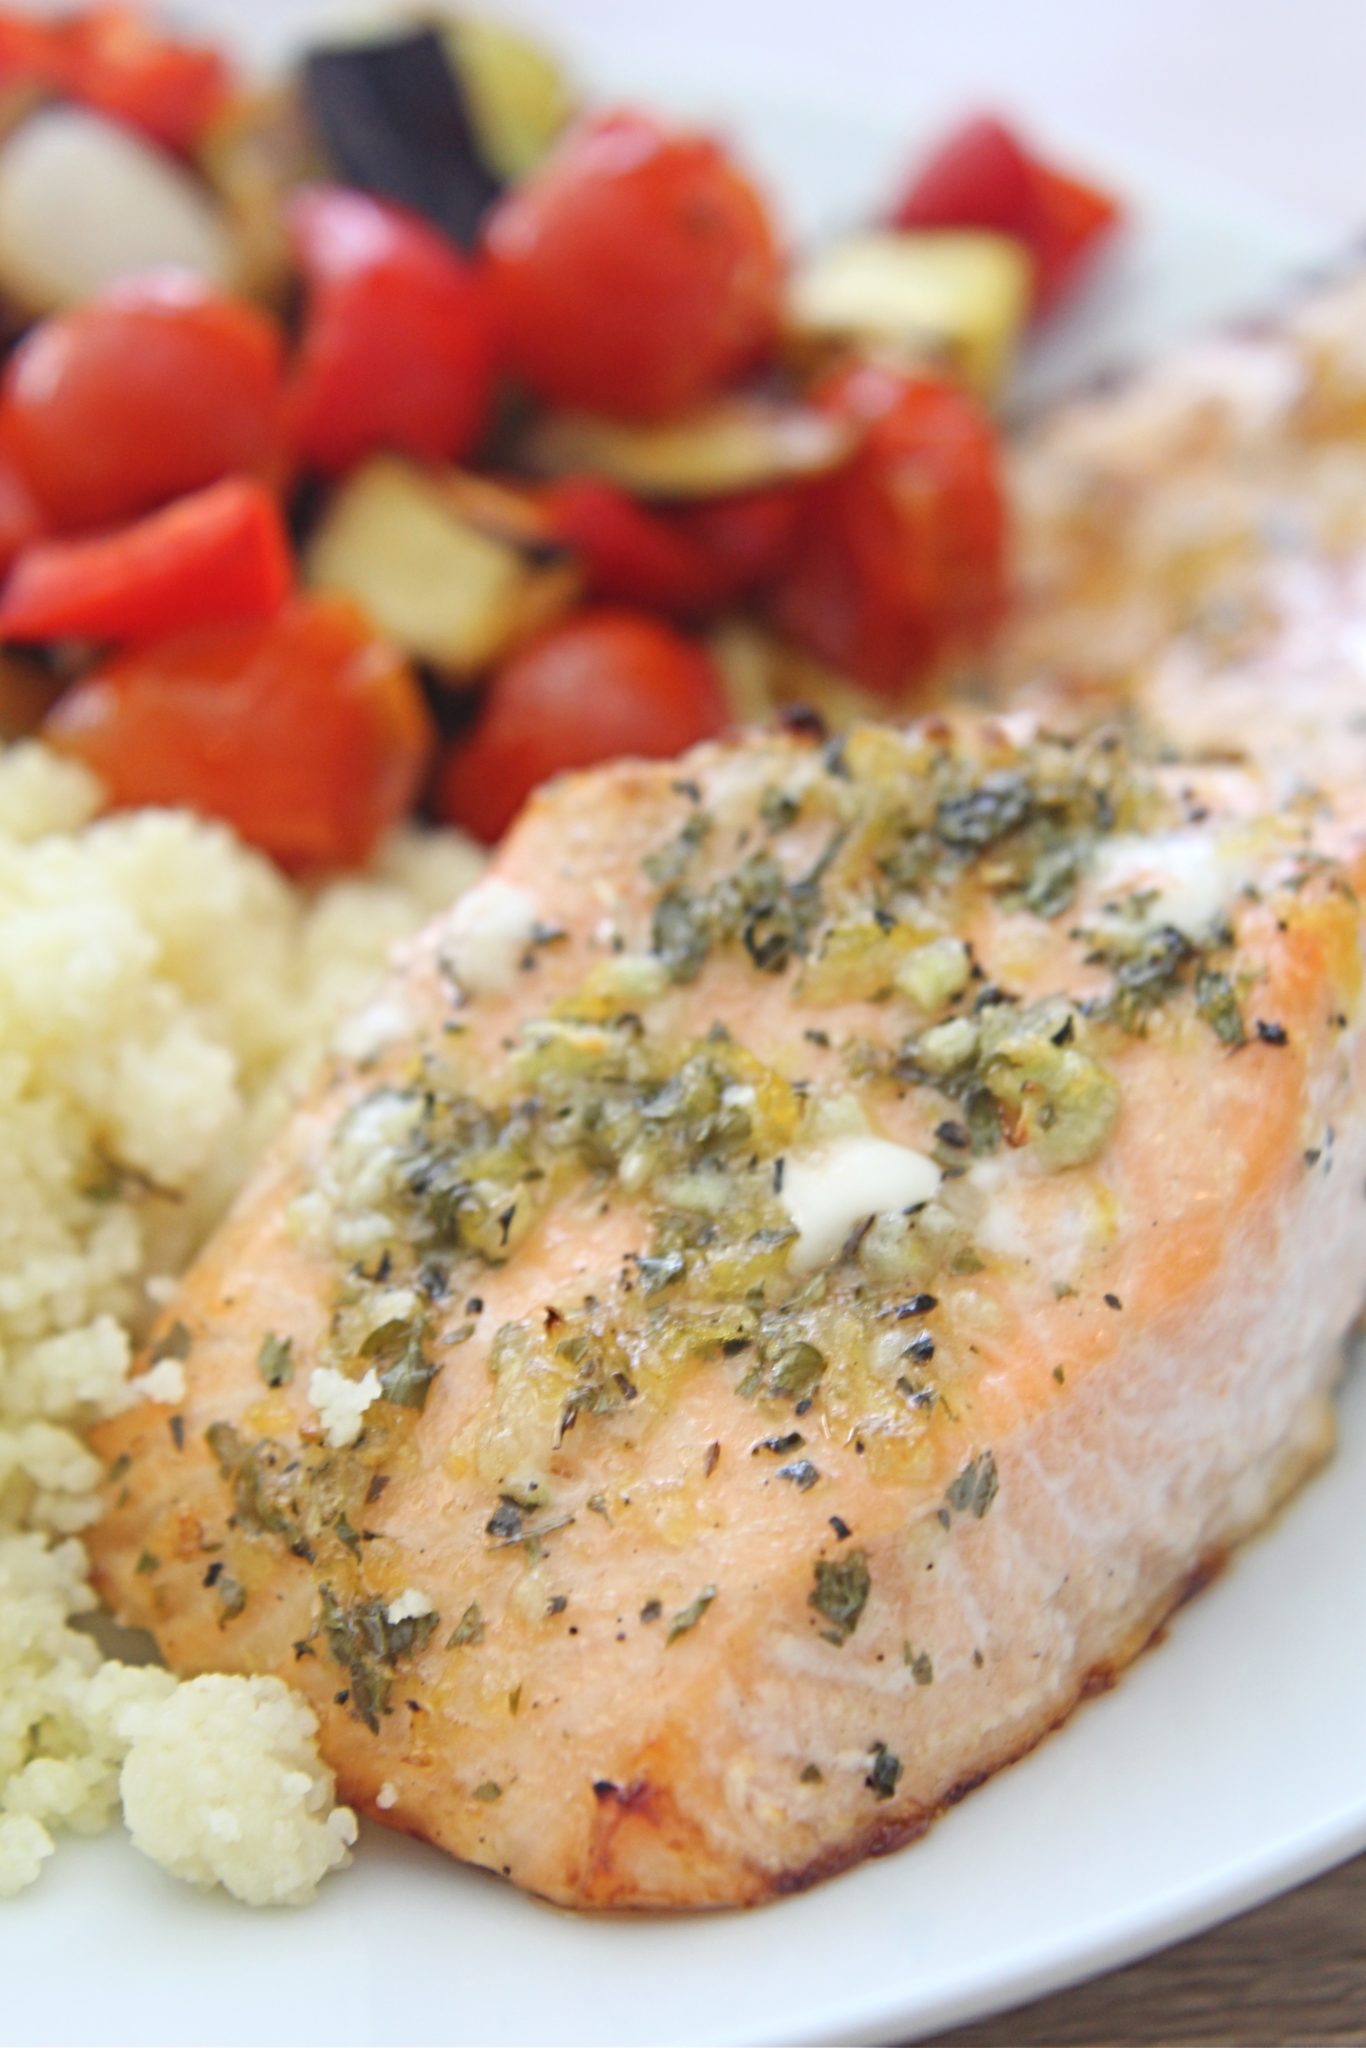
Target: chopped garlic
(409,1606)
(935,973)
(1193,876)
(488,933)
(341,1403)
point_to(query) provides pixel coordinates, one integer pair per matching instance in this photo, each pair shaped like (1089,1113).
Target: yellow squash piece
(454,569)
(730,444)
(955,299)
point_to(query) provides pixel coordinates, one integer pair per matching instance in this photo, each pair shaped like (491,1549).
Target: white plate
(1227,1765)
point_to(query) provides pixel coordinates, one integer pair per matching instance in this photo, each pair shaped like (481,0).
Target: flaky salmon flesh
(791,1282)
(1191,547)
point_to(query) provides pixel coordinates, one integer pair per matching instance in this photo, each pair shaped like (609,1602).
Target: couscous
(161,989)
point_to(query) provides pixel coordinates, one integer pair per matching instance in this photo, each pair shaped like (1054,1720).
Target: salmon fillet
(793,1280)
(1191,546)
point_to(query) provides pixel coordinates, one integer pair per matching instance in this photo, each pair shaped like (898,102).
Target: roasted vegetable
(84,201)
(900,556)
(732,444)
(308,735)
(517,94)
(216,557)
(955,301)
(394,119)
(602,684)
(456,570)
(635,272)
(983,176)
(28,691)
(155,387)
(258,150)
(112,58)
(395,352)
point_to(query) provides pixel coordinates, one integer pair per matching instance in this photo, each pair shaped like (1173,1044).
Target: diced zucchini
(519,97)
(732,444)
(454,568)
(958,299)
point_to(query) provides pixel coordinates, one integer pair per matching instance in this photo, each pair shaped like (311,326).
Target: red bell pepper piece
(219,555)
(984,176)
(113,59)
(396,350)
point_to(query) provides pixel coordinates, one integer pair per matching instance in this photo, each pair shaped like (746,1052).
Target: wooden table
(1294,1972)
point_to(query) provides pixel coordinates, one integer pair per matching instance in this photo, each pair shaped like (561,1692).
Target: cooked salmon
(791,1283)
(1191,546)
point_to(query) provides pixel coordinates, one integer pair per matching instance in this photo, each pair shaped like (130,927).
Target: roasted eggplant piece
(732,444)
(455,569)
(394,119)
(29,687)
(83,201)
(957,300)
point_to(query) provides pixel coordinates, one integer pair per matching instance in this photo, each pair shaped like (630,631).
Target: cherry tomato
(21,516)
(308,735)
(901,554)
(630,554)
(635,271)
(602,684)
(113,59)
(218,555)
(746,538)
(156,387)
(983,176)
(684,560)
(396,351)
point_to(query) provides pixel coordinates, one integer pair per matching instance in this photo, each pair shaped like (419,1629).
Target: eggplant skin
(395,121)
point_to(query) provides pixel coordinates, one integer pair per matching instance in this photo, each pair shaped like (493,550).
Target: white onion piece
(83,202)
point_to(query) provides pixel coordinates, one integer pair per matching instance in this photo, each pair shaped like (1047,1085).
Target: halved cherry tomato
(31,51)
(396,351)
(216,556)
(308,735)
(119,63)
(901,554)
(635,271)
(21,516)
(603,684)
(983,176)
(154,388)
(746,538)
(113,59)
(685,559)
(630,554)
